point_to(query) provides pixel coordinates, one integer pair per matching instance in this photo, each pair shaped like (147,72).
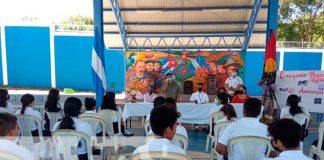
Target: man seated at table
(9,132)
(247,126)
(199,97)
(163,122)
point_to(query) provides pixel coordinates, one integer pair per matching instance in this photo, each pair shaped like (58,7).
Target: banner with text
(308,85)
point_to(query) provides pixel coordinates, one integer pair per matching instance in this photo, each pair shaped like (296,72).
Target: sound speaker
(187,87)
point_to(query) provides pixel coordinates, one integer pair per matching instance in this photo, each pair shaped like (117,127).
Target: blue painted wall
(302,61)
(1,77)
(73,62)
(253,71)
(28,56)
(115,70)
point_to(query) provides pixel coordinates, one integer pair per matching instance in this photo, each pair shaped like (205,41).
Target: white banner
(308,85)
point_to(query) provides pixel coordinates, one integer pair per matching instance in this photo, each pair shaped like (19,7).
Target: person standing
(199,97)
(233,83)
(170,88)
(268,90)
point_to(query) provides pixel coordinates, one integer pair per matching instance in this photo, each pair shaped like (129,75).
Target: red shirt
(237,99)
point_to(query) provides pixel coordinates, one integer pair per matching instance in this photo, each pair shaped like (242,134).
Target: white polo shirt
(246,126)
(291,155)
(30,111)
(285,112)
(160,144)
(99,127)
(201,97)
(11,147)
(82,127)
(233,82)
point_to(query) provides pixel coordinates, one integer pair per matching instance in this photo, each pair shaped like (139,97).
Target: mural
(145,69)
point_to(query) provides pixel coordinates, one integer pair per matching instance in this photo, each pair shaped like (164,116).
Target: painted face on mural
(157,67)
(149,66)
(140,68)
(220,68)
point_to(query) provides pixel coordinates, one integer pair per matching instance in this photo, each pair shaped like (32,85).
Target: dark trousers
(35,135)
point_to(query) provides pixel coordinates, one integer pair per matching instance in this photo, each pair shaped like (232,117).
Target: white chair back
(300,118)
(53,118)
(317,149)
(178,138)
(147,127)
(95,120)
(159,156)
(218,131)
(66,143)
(109,115)
(250,147)
(213,118)
(25,124)
(9,156)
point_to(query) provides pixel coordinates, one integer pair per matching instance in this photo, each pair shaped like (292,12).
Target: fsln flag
(270,60)
(98,67)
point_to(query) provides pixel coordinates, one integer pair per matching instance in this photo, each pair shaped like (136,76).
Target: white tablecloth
(191,112)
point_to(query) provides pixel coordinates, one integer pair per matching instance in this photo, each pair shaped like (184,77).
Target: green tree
(301,20)
(78,22)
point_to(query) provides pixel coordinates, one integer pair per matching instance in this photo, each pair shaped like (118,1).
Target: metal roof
(184,24)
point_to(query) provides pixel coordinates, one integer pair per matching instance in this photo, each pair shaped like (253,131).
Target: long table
(191,113)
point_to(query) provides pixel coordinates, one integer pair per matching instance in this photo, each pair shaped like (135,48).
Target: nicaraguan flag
(98,67)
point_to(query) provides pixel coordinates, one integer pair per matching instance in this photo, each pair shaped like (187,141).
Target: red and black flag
(270,60)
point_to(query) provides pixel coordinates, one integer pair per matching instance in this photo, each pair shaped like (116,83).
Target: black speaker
(187,87)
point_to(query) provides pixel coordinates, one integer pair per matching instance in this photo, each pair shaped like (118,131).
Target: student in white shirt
(233,83)
(199,97)
(5,106)
(220,100)
(292,107)
(72,107)
(285,137)
(247,126)
(163,122)
(9,131)
(52,105)
(90,105)
(158,101)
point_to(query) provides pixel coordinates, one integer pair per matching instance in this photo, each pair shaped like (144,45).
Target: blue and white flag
(98,67)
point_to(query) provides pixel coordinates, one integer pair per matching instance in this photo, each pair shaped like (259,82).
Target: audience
(52,105)
(109,102)
(241,95)
(247,126)
(220,100)
(72,108)
(90,105)
(228,112)
(158,101)
(5,106)
(9,132)
(163,122)
(285,137)
(292,107)
(199,97)
(150,95)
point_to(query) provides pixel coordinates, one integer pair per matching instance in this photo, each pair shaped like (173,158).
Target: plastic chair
(218,131)
(251,147)
(9,156)
(66,142)
(317,149)
(53,118)
(95,120)
(147,127)
(108,115)
(177,138)
(213,118)
(159,155)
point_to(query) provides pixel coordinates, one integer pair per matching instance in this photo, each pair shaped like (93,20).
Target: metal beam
(272,17)
(187,23)
(186,9)
(252,21)
(186,33)
(119,20)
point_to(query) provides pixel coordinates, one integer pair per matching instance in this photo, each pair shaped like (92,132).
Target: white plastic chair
(147,127)
(178,138)
(95,120)
(317,149)
(160,155)
(108,115)
(9,156)
(301,119)
(218,131)
(213,118)
(66,142)
(53,118)
(251,147)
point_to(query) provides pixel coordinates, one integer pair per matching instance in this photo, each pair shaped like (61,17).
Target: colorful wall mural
(145,69)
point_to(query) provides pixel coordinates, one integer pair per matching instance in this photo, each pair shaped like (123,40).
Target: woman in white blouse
(5,106)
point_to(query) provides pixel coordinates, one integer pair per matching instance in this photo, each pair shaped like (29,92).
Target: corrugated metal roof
(184,17)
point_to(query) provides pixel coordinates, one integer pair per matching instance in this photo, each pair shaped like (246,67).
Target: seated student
(163,122)
(292,107)
(220,100)
(285,137)
(158,101)
(229,115)
(9,131)
(247,126)
(199,97)
(90,105)
(72,107)
(5,106)
(52,105)
(109,102)
(241,95)
(150,95)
